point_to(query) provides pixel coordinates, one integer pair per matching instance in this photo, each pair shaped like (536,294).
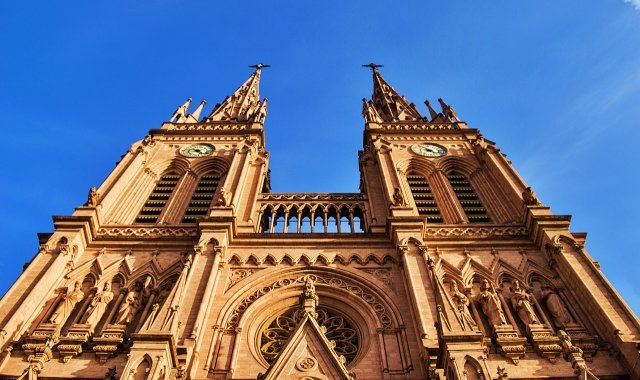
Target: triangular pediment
(308,355)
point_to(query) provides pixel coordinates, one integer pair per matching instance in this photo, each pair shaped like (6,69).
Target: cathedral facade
(183,264)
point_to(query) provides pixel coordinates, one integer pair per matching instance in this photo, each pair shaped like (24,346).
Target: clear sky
(555,83)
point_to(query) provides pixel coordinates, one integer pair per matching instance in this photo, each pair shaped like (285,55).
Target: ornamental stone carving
(523,304)
(559,314)
(332,281)
(491,305)
(461,301)
(98,306)
(133,302)
(67,304)
(145,232)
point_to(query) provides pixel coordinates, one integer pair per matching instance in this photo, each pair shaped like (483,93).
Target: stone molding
(312,197)
(372,300)
(146,232)
(475,232)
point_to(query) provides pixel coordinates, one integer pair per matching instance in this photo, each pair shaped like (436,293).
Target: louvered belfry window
(423,197)
(201,199)
(471,204)
(154,205)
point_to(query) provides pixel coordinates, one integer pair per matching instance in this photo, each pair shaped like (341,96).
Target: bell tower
(487,265)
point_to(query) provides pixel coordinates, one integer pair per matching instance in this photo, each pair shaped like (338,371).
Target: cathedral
(183,264)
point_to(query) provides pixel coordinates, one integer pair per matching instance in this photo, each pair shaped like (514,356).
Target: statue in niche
(223,198)
(398,199)
(461,302)
(491,306)
(98,305)
(67,304)
(523,304)
(133,303)
(559,313)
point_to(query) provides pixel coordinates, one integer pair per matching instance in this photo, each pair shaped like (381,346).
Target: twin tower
(183,265)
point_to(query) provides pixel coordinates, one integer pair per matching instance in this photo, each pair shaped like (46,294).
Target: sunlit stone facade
(183,265)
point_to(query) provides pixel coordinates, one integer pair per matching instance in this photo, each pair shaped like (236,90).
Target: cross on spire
(373,66)
(259,66)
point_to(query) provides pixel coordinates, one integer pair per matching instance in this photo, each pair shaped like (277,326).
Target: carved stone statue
(309,298)
(129,307)
(398,199)
(491,306)
(133,302)
(523,304)
(94,197)
(65,307)
(224,198)
(559,314)
(98,305)
(461,302)
(529,197)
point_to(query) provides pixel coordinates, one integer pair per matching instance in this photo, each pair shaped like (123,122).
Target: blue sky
(555,83)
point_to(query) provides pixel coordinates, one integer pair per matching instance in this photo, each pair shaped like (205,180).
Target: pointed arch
(461,165)
(473,369)
(143,368)
(159,197)
(421,166)
(214,164)
(235,260)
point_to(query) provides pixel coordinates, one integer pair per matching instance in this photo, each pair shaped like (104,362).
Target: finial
(373,66)
(259,66)
(198,111)
(432,112)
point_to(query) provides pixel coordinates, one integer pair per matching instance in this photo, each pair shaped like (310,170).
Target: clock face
(198,150)
(429,150)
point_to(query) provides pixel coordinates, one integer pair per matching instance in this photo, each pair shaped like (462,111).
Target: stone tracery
(336,326)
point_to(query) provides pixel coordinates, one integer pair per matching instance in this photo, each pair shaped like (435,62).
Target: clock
(198,150)
(429,150)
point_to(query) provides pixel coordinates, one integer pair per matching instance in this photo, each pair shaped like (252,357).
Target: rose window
(337,328)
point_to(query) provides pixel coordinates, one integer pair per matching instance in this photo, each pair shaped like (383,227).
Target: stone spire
(244,105)
(181,112)
(386,105)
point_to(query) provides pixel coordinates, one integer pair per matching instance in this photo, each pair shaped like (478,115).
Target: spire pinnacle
(386,105)
(181,112)
(244,105)
(448,111)
(196,114)
(432,112)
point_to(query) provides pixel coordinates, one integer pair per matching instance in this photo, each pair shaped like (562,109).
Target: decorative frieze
(206,127)
(420,127)
(476,232)
(312,197)
(146,232)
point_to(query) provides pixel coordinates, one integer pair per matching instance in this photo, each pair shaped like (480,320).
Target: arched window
(201,199)
(423,197)
(154,205)
(471,204)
